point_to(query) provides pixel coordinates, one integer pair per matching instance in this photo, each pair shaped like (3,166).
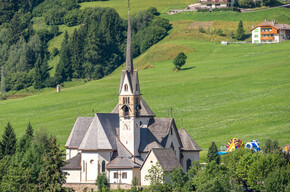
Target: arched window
(103,166)
(126,111)
(188,164)
(124,100)
(172,146)
(128,99)
(126,87)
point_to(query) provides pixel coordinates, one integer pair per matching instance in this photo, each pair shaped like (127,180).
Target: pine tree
(77,58)
(38,84)
(212,154)
(3,88)
(63,70)
(240,31)
(51,178)
(29,130)
(8,143)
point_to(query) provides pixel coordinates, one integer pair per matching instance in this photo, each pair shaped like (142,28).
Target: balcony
(268,32)
(267,38)
(213,1)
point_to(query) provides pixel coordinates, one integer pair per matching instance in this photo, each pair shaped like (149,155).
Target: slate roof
(167,158)
(101,133)
(155,136)
(145,110)
(187,142)
(78,132)
(73,163)
(273,24)
(122,158)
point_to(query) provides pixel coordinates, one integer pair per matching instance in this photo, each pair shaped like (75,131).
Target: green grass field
(238,90)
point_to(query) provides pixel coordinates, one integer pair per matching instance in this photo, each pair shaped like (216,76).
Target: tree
(215,177)
(134,187)
(155,174)
(29,130)
(3,87)
(268,146)
(102,182)
(179,60)
(51,178)
(38,79)
(177,179)
(63,69)
(240,31)
(8,143)
(212,154)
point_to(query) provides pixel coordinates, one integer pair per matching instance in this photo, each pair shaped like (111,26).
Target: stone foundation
(79,187)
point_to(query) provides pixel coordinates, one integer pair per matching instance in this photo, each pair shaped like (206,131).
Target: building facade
(119,142)
(270,32)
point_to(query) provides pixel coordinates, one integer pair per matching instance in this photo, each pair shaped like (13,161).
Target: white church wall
(90,166)
(104,156)
(124,176)
(192,155)
(172,138)
(70,153)
(151,160)
(73,176)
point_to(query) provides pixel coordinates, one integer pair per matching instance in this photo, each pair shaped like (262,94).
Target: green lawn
(137,5)
(223,91)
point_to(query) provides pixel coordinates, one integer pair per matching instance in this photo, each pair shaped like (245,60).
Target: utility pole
(3,88)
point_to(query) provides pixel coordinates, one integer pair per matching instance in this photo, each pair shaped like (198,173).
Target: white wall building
(118,143)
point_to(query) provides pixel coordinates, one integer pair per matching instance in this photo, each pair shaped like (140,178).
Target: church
(125,143)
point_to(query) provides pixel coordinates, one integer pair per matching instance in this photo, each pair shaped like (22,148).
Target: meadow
(223,91)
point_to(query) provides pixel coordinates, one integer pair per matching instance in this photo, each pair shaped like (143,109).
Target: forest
(94,50)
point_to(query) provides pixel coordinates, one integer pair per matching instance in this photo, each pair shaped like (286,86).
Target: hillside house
(211,4)
(120,143)
(270,32)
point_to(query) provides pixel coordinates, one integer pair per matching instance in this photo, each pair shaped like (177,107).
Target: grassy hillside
(238,90)
(137,5)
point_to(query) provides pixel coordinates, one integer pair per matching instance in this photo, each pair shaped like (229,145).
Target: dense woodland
(93,51)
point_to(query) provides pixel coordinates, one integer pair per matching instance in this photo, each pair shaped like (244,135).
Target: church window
(124,175)
(126,111)
(172,146)
(128,99)
(103,165)
(188,164)
(124,100)
(91,161)
(126,87)
(115,175)
(151,161)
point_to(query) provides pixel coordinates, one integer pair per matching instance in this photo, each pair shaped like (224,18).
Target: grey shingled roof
(156,134)
(122,158)
(145,110)
(187,142)
(78,132)
(101,133)
(167,158)
(73,163)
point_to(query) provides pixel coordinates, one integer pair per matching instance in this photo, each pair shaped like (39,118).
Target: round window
(92,161)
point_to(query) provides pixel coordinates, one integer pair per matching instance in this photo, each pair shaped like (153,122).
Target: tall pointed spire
(129,59)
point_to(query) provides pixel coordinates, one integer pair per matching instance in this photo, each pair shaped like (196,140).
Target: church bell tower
(129,101)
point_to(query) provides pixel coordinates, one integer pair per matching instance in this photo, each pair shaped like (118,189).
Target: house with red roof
(270,32)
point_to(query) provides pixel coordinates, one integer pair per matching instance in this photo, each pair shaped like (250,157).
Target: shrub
(203,10)
(179,60)
(201,29)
